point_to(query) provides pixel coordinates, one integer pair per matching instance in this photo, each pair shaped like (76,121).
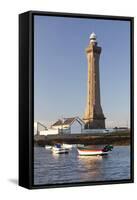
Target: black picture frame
(26,97)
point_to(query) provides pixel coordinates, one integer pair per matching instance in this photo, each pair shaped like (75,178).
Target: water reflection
(67,168)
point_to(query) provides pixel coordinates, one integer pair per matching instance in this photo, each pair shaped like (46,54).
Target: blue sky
(60,68)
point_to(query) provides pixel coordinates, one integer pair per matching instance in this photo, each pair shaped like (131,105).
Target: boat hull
(60,150)
(91,152)
(48,147)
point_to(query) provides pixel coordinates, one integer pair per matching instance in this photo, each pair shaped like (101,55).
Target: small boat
(58,149)
(95,152)
(68,146)
(48,147)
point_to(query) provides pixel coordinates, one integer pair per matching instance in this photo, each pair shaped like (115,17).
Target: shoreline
(117,139)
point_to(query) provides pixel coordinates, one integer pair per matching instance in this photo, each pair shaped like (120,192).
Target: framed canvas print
(76,124)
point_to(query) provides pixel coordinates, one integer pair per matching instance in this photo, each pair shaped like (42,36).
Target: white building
(38,127)
(69,125)
(49,132)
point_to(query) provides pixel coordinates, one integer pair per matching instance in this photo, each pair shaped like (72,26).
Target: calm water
(68,168)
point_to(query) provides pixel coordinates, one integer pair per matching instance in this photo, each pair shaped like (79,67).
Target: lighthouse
(93,116)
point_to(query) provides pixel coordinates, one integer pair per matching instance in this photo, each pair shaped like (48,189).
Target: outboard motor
(108,148)
(58,146)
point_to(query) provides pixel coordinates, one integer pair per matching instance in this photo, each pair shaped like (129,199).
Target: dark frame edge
(132,95)
(25,166)
(80,15)
(81,184)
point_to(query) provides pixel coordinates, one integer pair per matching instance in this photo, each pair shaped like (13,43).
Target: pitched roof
(58,123)
(66,121)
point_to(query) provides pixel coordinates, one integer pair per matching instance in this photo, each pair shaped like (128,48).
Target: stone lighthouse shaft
(93,117)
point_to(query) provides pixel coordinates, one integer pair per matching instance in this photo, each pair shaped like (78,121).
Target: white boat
(68,146)
(85,152)
(94,152)
(48,147)
(58,149)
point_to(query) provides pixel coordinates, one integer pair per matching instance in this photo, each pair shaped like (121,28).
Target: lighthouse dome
(93,37)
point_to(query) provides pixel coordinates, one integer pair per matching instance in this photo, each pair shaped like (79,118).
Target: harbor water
(71,168)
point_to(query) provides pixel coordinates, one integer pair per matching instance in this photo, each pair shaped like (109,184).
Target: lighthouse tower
(93,117)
